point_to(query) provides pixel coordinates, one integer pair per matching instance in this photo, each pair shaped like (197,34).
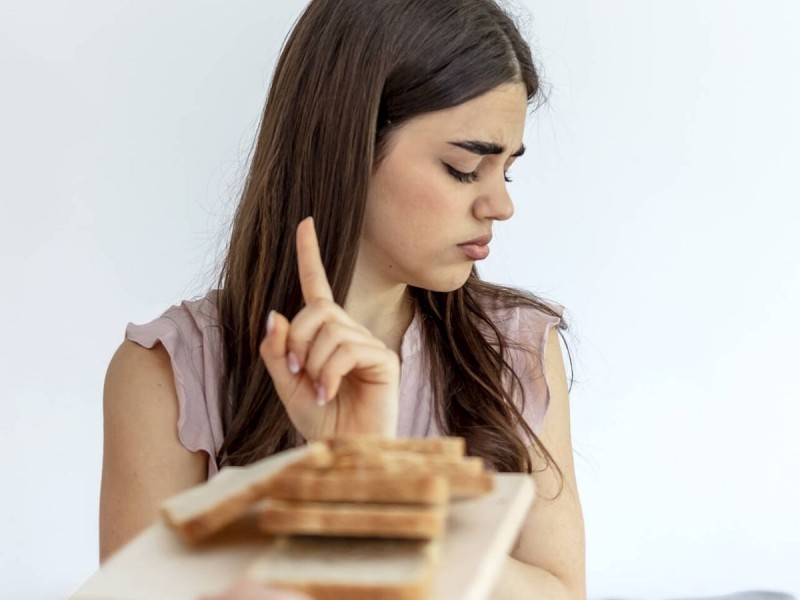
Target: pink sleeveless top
(191,336)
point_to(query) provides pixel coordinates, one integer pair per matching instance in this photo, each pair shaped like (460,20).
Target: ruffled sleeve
(190,336)
(531,329)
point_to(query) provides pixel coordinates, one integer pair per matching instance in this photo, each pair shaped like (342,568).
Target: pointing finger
(313,279)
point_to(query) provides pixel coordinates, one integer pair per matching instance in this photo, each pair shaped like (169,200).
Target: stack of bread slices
(354,517)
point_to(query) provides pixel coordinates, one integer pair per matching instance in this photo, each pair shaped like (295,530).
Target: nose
(495,203)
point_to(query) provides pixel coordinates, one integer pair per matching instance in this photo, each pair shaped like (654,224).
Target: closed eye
(461,176)
(469,177)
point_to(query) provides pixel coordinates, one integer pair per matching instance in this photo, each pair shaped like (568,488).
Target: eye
(460,175)
(469,177)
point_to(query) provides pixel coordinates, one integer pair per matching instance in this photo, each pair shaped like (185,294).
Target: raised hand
(332,375)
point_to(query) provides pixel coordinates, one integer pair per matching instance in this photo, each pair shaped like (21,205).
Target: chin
(447,282)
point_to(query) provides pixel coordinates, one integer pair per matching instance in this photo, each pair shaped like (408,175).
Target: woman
(394,124)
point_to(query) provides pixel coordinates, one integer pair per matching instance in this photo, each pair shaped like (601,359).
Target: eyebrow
(483,148)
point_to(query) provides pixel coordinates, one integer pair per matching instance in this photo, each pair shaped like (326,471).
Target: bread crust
(369,582)
(466,477)
(352,520)
(445,446)
(402,475)
(358,486)
(232,492)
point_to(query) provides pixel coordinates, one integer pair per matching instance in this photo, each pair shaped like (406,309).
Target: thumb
(273,350)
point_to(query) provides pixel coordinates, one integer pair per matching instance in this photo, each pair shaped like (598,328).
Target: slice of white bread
(398,459)
(207,508)
(346,569)
(280,517)
(467,477)
(446,446)
(466,486)
(345,469)
(358,485)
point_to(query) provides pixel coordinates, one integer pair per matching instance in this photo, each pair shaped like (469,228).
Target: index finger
(313,279)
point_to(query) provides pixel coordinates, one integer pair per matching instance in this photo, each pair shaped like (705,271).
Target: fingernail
(294,365)
(270,322)
(322,395)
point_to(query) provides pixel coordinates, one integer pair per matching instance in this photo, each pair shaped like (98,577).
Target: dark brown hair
(350,73)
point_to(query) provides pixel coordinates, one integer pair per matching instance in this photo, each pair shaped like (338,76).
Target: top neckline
(410,343)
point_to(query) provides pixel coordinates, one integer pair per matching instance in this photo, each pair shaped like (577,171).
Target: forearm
(521,581)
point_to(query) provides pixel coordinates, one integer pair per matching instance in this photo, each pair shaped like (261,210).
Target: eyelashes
(469,177)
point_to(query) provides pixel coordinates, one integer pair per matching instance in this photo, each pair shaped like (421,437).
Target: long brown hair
(350,73)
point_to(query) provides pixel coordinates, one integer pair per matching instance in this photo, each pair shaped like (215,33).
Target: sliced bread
(466,477)
(339,569)
(280,517)
(204,509)
(445,446)
(357,486)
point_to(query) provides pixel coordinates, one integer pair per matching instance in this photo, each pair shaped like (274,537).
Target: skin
(417,212)
(347,357)
(344,380)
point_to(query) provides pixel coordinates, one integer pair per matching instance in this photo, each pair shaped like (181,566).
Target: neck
(382,307)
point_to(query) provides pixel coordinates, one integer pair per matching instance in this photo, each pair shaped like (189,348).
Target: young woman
(349,300)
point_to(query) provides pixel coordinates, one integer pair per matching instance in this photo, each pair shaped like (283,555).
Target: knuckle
(327,373)
(331,330)
(297,346)
(348,350)
(312,365)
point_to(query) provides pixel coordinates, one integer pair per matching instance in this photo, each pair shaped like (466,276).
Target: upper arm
(143,459)
(552,536)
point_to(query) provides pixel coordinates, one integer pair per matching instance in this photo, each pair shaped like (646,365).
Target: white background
(657,202)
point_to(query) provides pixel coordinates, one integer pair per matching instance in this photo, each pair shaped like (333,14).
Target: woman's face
(418,211)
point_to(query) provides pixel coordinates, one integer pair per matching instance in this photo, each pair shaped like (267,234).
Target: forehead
(497,116)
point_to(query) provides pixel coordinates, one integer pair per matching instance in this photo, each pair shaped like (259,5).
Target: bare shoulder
(131,360)
(143,459)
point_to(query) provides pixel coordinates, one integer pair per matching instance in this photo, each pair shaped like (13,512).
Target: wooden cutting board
(157,565)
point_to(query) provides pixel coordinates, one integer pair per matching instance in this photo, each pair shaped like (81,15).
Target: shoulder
(185,341)
(528,325)
(143,459)
(534,354)
(131,358)
(195,316)
(188,332)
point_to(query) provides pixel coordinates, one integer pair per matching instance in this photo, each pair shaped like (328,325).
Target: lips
(478,241)
(477,248)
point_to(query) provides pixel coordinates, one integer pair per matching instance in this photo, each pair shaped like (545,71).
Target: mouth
(478,241)
(477,248)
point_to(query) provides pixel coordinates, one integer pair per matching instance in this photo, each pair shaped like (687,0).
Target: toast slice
(466,477)
(346,569)
(357,486)
(344,519)
(204,509)
(466,486)
(395,460)
(370,444)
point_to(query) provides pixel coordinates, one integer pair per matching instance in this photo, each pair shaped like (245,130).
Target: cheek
(420,202)
(415,213)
